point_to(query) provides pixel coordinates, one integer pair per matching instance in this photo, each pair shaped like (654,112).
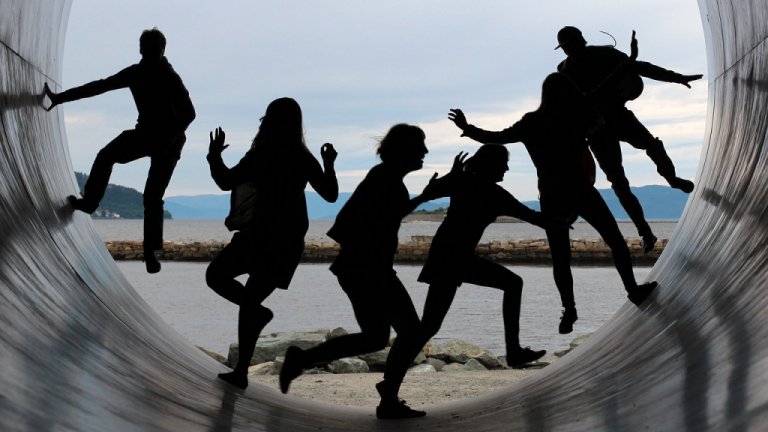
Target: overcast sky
(358,67)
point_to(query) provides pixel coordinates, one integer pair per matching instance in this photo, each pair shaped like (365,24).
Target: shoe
(292,367)
(680,183)
(521,356)
(239,381)
(649,242)
(639,294)
(151,262)
(566,321)
(80,204)
(397,409)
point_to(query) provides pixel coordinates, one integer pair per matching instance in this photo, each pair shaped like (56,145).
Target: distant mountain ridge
(659,203)
(119,202)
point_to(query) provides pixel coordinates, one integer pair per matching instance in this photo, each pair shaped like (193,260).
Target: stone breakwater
(583,251)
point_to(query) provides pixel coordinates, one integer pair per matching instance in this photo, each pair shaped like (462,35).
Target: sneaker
(396,409)
(239,381)
(521,356)
(151,262)
(80,204)
(649,242)
(566,321)
(292,367)
(680,183)
(639,294)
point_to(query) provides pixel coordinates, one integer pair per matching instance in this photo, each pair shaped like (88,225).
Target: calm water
(314,300)
(214,230)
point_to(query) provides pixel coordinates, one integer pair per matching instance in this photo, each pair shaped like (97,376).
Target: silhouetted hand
(688,78)
(54,98)
(633,50)
(328,153)
(458,163)
(457,116)
(430,190)
(217,142)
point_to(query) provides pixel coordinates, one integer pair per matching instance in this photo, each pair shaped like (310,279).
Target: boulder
(261,369)
(348,365)
(272,345)
(459,351)
(435,363)
(422,369)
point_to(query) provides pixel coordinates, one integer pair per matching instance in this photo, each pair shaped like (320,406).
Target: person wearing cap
(588,66)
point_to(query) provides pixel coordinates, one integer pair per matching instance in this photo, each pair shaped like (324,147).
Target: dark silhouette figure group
(582,113)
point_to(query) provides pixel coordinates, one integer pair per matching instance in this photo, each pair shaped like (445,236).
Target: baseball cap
(569,34)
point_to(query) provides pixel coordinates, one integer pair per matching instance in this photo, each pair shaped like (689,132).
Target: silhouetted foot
(639,294)
(521,356)
(81,205)
(237,380)
(292,367)
(396,409)
(150,260)
(681,183)
(566,321)
(649,242)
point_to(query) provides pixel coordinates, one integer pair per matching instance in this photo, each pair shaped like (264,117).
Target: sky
(359,67)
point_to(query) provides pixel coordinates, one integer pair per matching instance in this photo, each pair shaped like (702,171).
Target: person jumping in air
(588,66)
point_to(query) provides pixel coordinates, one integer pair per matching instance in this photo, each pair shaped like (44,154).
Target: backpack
(243,204)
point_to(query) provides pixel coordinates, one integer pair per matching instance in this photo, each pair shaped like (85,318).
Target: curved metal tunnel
(80,350)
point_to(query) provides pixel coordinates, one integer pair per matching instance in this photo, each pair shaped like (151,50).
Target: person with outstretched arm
(165,113)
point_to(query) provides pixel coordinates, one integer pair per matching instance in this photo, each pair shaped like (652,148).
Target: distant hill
(659,203)
(119,202)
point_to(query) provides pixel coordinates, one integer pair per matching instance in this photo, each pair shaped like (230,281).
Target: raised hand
(217,142)
(328,153)
(53,97)
(458,163)
(633,50)
(457,116)
(688,78)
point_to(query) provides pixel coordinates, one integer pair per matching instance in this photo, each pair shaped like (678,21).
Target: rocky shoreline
(451,356)
(583,251)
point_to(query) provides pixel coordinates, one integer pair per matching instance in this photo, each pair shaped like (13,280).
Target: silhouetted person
(269,246)
(165,112)
(476,201)
(366,229)
(555,137)
(587,66)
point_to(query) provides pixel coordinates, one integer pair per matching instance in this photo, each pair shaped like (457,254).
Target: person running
(587,66)
(366,229)
(270,239)
(476,201)
(555,137)
(165,112)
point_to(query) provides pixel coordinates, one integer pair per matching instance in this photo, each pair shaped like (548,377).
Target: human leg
(560,248)
(633,132)
(368,297)
(252,318)
(436,306)
(125,148)
(161,169)
(225,267)
(607,150)
(485,273)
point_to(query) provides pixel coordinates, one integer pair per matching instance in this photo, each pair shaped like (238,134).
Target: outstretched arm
(323,180)
(440,187)
(509,135)
(93,88)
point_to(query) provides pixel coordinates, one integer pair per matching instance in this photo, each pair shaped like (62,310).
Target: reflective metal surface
(81,351)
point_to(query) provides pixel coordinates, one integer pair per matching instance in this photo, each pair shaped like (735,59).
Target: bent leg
(252,318)
(125,148)
(225,267)
(408,343)
(485,273)
(436,306)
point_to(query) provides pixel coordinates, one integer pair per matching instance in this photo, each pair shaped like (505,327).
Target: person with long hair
(270,242)
(476,201)
(366,229)
(555,136)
